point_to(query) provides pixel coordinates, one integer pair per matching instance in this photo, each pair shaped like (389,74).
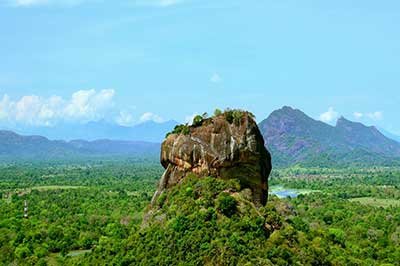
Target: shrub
(197,120)
(161,199)
(189,191)
(234,116)
(337,236)
(21,252)
(217,112)
(229,115)
(226,204)
(237,116)
(180,129)
(185,130)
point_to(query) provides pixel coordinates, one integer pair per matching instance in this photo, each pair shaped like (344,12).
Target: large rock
(224,147)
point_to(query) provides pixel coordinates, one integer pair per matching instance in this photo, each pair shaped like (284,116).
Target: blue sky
(132,61)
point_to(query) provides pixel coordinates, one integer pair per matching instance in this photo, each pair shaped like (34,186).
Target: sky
(137,60)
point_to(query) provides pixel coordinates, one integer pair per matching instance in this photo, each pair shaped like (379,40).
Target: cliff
(226,146)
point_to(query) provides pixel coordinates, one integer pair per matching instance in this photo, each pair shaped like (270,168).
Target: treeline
(98,173)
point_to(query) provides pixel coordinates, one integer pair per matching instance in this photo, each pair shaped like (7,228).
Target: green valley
(92,214)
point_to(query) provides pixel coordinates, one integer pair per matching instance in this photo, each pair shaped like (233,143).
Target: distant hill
(14,146)
(293,137)
(148,131)
(290,135)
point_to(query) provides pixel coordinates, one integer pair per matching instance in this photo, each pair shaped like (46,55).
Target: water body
(282,192)
(285,193)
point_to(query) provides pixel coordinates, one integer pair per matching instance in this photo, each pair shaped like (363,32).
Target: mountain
(293,137)
(14,146)
(148,131)
(390,135)
(115,147)
(290,135)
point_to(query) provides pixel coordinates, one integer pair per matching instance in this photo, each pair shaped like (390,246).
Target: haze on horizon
(133,61)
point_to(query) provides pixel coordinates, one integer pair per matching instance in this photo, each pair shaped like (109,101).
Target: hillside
(390,135)
(201,224)
(210,221)
(14,146)
(293,137)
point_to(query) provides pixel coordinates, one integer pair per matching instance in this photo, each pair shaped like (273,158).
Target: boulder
(225,146)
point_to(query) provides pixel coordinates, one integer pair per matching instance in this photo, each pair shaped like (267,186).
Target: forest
(91,213)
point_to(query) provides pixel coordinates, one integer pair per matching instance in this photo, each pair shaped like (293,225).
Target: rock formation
(225,146)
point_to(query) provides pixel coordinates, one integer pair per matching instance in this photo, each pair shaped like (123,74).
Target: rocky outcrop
(226,146)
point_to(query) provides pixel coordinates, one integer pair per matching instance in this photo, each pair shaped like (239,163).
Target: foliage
(226,204)
(91,214)
(70,207)
(235,116)
(217,112)
(197,120)
(180,129)
(315,229)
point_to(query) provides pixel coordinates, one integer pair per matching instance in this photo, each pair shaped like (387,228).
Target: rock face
(221,147)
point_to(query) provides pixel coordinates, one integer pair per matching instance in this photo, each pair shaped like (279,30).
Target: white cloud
(215,78)
(84,105)
(375,115)
(150,117)
(378,115)
(329,116)
(87,103)
(358,115)
(4,107)
(125,119)
(28,108)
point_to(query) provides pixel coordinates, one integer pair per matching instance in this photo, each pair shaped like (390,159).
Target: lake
(282,192)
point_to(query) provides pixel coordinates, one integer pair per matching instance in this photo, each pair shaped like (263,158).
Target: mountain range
(293,137)
(148,131)
(290,135)
(17,147)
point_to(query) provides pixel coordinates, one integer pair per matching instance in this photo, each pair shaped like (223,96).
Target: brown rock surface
(220,149)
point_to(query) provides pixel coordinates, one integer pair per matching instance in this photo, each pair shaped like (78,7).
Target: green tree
(197,120)
(226,204)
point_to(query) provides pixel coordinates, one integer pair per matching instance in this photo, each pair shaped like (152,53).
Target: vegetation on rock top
(231,115)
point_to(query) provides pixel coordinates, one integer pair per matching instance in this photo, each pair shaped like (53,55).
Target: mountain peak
(287,110)
(293,137)
(342,122)
(286,114)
